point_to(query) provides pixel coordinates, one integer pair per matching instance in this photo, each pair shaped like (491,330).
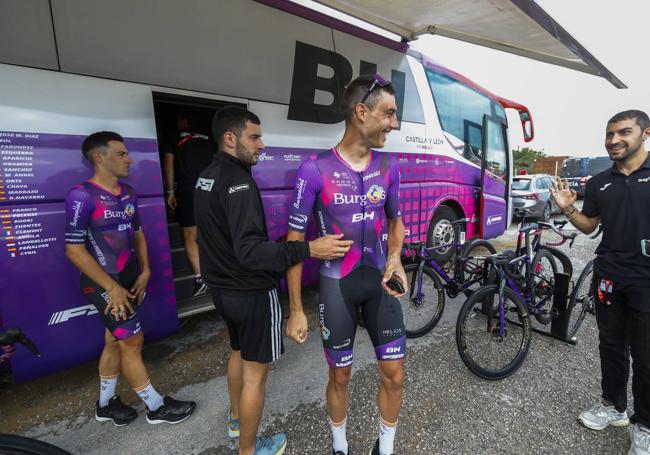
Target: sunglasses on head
(377,81)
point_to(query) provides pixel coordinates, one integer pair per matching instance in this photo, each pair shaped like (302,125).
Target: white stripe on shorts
(276,325)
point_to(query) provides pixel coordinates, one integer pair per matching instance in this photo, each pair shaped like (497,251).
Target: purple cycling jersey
(104,222)
(355,203)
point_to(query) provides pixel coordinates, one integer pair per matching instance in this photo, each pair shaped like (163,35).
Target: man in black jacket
(241,267)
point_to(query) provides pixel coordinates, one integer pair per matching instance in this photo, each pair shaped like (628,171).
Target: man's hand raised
(564,196)
(329,247)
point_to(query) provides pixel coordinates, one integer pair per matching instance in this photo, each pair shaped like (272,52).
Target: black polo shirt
(623,204)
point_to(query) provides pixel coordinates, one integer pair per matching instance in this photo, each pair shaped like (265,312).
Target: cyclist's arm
(395,239)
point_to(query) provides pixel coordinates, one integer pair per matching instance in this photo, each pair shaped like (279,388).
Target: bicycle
(582,297)
(424,305)
(15,444)
(482,324)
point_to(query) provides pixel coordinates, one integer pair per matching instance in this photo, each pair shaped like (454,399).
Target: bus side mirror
(527,125)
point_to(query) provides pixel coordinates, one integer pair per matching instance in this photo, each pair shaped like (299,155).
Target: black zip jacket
(234,248)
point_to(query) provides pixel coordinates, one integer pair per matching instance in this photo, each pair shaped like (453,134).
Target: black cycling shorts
(98,296)
(185,208)
(340,301)
(254,323)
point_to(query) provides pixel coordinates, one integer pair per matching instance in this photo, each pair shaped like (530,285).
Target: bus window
(461,109)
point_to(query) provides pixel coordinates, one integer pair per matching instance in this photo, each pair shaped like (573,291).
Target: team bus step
(194,305)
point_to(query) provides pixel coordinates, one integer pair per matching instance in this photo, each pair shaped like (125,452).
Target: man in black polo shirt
(619,199)
(242,267)
(192,153)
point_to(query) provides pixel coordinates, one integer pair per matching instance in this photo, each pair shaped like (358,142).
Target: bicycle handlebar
(15,335)
(565,237)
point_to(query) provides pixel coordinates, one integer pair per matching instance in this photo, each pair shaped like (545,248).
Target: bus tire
(441,232)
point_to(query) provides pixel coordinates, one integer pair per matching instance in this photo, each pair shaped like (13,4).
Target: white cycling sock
(107,389)
(386,437)
(152,399)
(339,439)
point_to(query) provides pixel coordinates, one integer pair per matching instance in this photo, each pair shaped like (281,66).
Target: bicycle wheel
(562,258)
(581,301)
(472,256)
(482,349)
(544,270)
(423,307)
(12,444)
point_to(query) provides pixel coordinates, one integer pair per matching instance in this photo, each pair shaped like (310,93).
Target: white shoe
(640,438)
(601,415)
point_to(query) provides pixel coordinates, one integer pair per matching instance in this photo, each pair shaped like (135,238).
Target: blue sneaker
(274,445)
(233,427)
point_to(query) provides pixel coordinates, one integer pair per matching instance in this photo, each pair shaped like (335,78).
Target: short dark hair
(357,89)
(231,119)
(641,118)
(97,141)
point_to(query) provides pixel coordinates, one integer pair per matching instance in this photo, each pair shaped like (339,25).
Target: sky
(570,109)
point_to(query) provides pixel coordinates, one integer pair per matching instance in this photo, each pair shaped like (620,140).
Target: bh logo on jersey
(375,194)
(129,210)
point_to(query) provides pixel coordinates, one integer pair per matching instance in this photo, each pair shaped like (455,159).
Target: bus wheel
(441,232)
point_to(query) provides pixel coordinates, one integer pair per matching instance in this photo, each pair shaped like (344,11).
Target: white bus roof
(519,27)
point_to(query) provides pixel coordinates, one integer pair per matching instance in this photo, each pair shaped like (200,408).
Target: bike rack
(559,324)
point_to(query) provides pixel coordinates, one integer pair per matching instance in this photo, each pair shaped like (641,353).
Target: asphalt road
(447,410)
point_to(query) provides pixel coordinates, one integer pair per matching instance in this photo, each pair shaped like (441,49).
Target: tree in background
(524,158)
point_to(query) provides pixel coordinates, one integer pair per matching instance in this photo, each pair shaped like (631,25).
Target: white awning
(519,27)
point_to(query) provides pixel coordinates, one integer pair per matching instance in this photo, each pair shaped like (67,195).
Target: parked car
(578,170)
(532,192)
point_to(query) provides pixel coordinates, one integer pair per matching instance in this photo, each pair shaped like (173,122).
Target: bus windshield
(571,168)
(598,165)
(461,109)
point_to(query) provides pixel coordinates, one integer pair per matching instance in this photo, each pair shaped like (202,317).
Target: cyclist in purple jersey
(104,222)
(354,203)
(105,242)
(354,191)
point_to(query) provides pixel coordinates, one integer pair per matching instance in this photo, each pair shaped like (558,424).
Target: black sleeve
(590,204)
(246,223)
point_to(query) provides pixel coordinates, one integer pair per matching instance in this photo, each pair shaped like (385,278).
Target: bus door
(495,178)
(45,117)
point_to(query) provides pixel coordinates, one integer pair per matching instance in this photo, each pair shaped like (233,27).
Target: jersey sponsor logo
(237,188)
(108,214)
(204,184)
(346,360)
(300,190)
(356,217)
(645,180)
(60,317)
(124,227)
(76,208)
(295,226)
(371,175)
(376,193)
(129,210)
(604,187)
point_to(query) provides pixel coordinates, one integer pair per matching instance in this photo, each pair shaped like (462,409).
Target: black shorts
(98,296)
(254,323)
(340,301)
(185,208)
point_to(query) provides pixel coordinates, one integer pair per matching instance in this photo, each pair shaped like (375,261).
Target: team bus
(124,67)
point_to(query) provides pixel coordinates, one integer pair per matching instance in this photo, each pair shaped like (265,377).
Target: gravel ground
(447,410)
